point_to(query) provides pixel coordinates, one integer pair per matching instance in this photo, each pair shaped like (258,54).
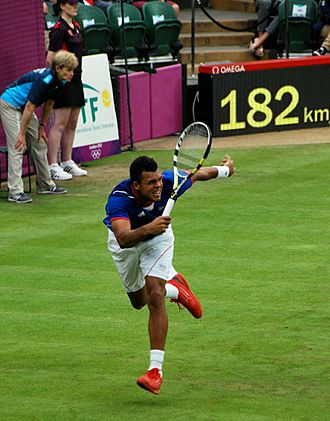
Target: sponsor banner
(251,66)
(95,151)
(97,120)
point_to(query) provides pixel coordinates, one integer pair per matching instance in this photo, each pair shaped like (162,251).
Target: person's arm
(46,109)
(27,115)
(49,58)
(226,169)
(127,237)
(56,41)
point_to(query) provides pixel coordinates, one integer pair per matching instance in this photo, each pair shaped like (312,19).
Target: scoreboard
(264,96)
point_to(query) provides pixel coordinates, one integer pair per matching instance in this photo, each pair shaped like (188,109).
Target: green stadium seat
(163,28)
(302,14)
(95,30)
(134,28)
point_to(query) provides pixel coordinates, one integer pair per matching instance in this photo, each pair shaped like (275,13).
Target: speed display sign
(262,96)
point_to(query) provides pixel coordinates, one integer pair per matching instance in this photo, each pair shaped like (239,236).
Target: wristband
(223,171)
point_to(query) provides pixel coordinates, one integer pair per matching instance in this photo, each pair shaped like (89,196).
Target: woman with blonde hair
(23,129)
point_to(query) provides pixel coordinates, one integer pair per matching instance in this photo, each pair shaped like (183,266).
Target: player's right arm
(128,237)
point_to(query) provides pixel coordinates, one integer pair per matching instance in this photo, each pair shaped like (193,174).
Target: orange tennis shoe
(186,297)
(151,381)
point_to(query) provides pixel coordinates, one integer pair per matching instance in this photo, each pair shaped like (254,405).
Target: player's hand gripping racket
(190,153)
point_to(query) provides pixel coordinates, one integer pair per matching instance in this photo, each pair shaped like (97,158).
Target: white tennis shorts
(148,258)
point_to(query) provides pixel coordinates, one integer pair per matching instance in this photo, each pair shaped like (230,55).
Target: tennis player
(141,243)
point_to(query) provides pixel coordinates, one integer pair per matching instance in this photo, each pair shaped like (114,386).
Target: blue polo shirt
(37,86)
(122,204)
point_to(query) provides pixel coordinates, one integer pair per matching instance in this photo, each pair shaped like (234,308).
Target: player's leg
(179,291)
(142,290)
(158,319)
(153,294)
(138,298)
(126,262)
(157,328)
(156,257)
(157,262)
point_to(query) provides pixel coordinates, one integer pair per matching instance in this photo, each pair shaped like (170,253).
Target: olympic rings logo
(96,153)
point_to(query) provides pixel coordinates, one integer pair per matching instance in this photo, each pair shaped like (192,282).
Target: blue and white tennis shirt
(37,86)
(122,204)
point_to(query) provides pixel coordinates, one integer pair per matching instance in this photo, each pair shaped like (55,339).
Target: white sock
(156,360)
(171,291)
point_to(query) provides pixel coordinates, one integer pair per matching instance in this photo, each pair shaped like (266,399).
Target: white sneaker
(57,173)
(72,168)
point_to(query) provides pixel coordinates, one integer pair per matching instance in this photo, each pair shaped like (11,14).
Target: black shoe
(19,198)
(320,52)
(53,190)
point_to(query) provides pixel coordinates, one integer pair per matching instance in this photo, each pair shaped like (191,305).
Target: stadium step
(212,55)
(236,5)
(215,39)
(236,21)
(227,41)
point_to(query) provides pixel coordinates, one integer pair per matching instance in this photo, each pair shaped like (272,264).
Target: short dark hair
(141,164)
(57,8)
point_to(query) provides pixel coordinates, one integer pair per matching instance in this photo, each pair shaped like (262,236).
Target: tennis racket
(190,154)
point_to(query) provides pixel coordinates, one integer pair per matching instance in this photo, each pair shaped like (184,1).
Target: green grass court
(255,249)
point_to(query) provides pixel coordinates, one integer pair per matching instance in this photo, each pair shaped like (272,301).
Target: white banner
(97,120)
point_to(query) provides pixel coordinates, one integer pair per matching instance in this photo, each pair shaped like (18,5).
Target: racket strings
(189,156)
(191,151)
(198,129)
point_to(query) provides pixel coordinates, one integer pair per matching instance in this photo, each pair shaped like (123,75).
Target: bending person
(17,105)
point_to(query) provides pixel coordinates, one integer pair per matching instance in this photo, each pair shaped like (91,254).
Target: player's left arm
(225,169)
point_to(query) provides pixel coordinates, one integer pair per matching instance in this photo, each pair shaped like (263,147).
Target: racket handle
(168,208)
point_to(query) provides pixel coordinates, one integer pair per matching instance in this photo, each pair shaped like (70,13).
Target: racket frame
(176,185)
